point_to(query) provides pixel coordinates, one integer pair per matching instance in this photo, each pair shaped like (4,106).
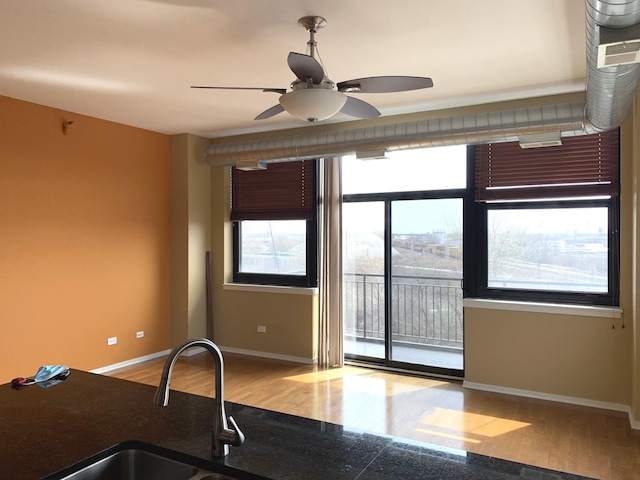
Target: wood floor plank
(580,440)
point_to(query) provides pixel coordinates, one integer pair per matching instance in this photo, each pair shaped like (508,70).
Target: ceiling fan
(314,97)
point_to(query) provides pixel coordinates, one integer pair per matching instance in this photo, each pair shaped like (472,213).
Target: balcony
(426,313)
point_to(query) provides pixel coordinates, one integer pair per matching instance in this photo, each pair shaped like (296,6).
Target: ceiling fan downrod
(312,24)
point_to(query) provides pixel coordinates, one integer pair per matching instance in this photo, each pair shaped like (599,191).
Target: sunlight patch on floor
(362,381)
(328,374)
(383,387)
(463,424)
(447,435)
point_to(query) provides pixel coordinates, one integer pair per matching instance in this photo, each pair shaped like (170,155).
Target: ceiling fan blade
(359,109)
(305,66)
(387,84)
(276,109)
(281,91)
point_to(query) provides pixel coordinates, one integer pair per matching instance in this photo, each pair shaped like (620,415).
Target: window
(547,221)
(562,247)
(275,225)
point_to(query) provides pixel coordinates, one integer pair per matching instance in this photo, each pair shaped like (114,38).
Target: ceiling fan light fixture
(313,104)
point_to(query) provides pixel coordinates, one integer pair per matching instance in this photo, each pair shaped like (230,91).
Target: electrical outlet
(262,329)
(112,340)
(140,334)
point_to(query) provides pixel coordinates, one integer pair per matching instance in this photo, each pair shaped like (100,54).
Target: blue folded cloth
(46,376)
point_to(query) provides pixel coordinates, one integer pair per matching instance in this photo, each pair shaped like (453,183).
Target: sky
(432,168)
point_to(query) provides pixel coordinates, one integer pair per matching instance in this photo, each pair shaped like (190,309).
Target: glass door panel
(402,254)
(426,276)
(363,272)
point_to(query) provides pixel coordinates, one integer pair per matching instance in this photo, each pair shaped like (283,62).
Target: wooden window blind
(284,191)
(586,165)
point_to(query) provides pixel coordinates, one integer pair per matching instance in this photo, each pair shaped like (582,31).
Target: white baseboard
(128,363)
(193,351)
(585,402)
(274,356)
(635,424)
(198,350)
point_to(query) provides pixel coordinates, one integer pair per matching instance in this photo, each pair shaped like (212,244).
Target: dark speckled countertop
(45,430)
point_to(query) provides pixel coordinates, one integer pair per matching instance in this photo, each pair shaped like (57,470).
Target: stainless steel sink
(142,464)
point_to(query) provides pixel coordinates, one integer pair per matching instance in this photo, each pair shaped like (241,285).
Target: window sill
(246,287)
(553,308)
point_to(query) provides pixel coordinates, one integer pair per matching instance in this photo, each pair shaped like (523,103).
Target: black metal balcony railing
(424,310)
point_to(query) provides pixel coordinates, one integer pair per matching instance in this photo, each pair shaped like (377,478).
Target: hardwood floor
(585,441)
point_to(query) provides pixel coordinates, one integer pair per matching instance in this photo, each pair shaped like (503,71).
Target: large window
(275,225)
(547,222)
(562,247)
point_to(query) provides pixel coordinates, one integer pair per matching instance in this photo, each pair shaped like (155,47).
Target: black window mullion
(474,236)
(388,282)
(614,253)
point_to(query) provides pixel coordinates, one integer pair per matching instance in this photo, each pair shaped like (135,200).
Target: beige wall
(290,321)
(84,240)
(565,355)
(190,236)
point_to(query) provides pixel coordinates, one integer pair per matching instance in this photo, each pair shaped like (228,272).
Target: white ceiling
(132,61)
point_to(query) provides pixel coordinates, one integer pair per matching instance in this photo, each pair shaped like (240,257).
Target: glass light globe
(313,104)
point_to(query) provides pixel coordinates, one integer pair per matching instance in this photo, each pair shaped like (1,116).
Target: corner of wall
(190,235)
(221,250)
(179,238)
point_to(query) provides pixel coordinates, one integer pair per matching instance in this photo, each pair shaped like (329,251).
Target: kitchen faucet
(222,435)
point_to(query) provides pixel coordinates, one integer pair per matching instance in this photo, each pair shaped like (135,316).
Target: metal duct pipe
(501,126)
(610,90)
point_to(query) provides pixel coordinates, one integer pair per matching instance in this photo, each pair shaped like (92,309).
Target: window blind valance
(586,165)
(284,191)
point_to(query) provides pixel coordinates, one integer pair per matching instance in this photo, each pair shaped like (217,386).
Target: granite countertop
(45,430)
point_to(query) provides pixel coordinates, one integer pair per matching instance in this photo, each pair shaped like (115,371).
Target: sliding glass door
(402,254)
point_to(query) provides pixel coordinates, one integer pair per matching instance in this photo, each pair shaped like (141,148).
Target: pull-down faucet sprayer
(222,435)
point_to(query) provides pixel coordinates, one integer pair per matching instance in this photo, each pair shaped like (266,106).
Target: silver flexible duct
(610,92)
(500,126)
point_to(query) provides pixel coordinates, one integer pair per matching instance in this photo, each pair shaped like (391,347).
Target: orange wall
(84,240)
